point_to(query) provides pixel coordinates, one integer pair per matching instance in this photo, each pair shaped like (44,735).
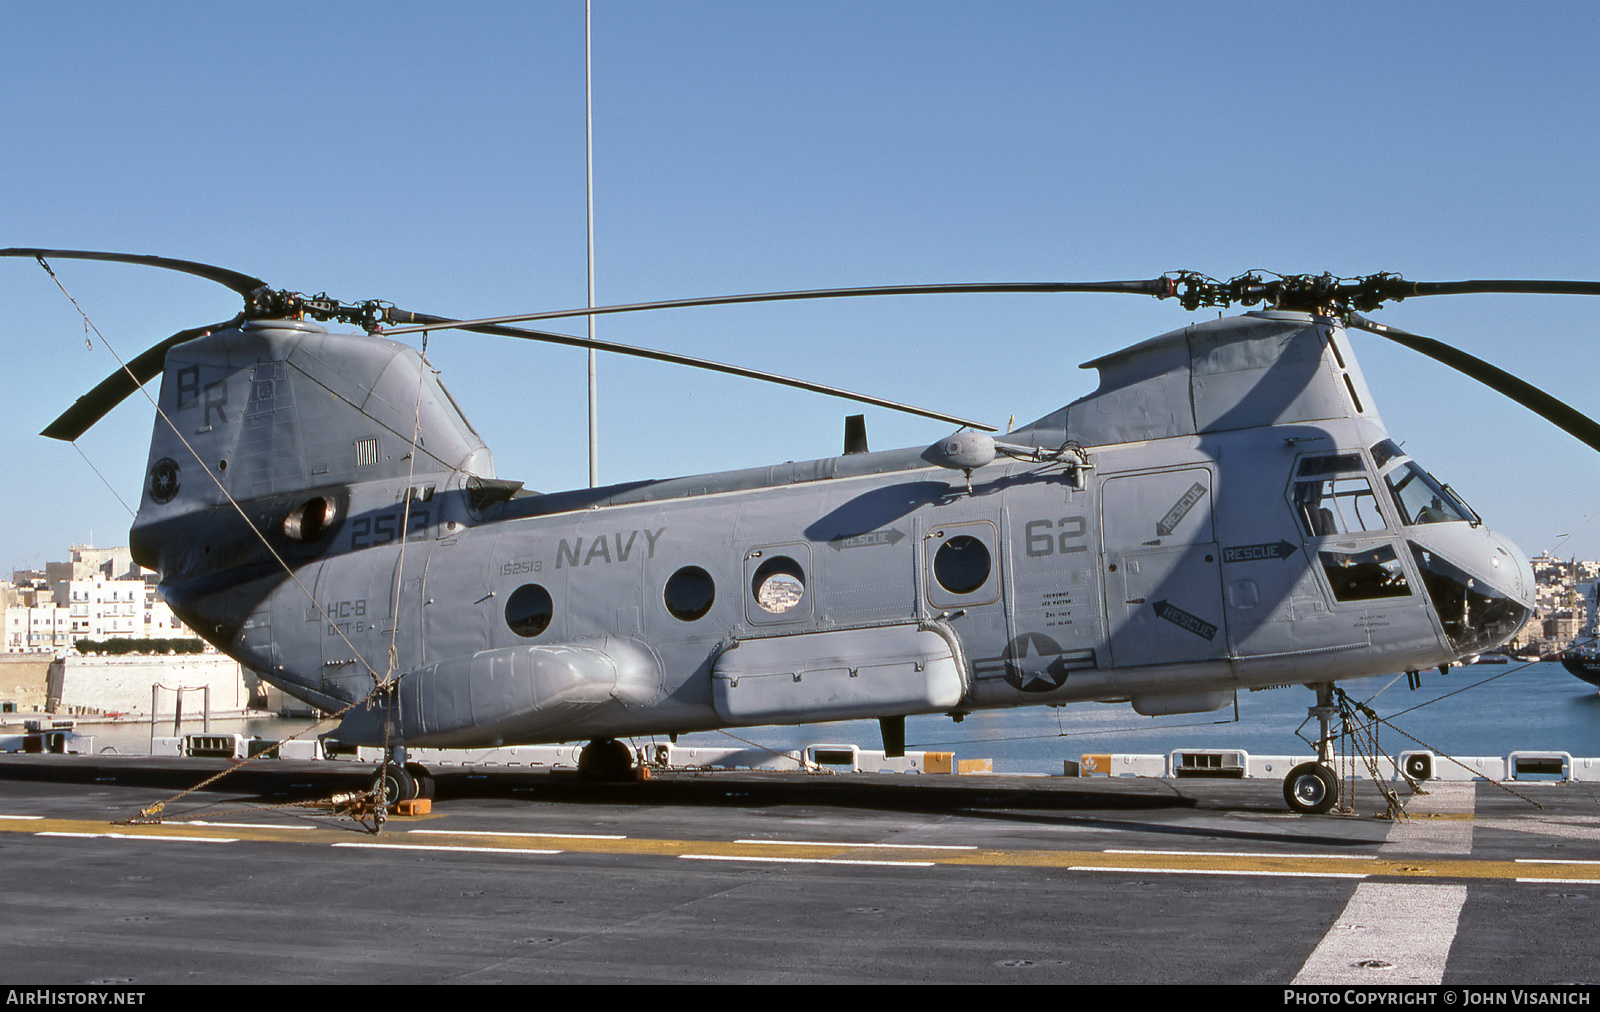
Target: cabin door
(1163,576)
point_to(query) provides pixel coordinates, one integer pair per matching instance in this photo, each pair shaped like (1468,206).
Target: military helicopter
(1226,510)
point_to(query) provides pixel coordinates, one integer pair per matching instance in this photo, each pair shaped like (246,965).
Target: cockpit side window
(1365,576)
(1330,507)
(1421,499)
(1337,463)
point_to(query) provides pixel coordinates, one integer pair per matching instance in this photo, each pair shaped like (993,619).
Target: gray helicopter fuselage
(1226,511)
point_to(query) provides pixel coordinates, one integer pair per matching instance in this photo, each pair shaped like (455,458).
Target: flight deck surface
(769,878)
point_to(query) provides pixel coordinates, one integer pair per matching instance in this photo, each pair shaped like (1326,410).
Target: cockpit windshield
(1417,494)
(1420,499)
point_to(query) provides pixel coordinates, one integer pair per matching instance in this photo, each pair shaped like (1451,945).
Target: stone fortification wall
(23,681)
(96,684)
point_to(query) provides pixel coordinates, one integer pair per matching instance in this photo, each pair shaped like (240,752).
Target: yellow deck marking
(791,858)
(519,836)
(847,843)
(1148,862)
(443,846)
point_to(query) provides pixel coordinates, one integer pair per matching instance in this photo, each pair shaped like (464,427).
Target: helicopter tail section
(274,435)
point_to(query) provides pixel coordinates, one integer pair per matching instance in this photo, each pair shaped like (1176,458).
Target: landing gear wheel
(397,784)
(1311,789)
(607,759)
(423,778)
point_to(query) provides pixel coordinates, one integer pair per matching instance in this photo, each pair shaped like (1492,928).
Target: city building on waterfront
(1565,608)
(97,594)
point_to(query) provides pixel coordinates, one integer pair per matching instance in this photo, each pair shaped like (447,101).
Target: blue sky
(434,157)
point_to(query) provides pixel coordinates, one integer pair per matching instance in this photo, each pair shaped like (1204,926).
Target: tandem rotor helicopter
(1225,511)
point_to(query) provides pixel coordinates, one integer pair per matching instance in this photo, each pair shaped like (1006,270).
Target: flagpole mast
(588,132)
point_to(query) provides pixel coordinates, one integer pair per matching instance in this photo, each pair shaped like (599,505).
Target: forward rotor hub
(1323,294)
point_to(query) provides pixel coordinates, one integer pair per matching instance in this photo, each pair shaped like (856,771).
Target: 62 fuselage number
(1041,537)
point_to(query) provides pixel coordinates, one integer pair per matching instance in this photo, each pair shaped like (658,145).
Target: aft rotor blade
(1160,287)
(117,387)
(425,322)
(244,284)
(1558,412)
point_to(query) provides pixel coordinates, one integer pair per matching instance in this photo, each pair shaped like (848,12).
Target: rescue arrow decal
(1251,553)
(1180,509)
(1183,620)
(868,540)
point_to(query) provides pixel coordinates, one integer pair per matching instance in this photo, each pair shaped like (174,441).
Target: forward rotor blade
(1502,287)
(1160,287)
(116,388)
(1558,412)
(244,284)
(424,321)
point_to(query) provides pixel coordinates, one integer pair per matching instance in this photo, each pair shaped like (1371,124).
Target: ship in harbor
(1584,662)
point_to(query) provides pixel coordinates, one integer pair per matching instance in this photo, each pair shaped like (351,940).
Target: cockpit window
(1385,451)
(1365,576)
(1335,464)
(1420,499)
(1475,615)
(1331,507)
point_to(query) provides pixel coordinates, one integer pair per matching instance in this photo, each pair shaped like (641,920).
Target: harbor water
(1478,710)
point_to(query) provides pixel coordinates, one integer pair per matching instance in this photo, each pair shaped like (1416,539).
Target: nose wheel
(1311,789)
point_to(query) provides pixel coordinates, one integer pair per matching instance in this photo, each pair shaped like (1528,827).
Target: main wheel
(397,784)
(1311,789)
(607,759)
(423,778)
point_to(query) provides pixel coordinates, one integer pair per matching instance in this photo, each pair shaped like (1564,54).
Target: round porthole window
(962,564)
(779,585)
(689,593)
(529,609)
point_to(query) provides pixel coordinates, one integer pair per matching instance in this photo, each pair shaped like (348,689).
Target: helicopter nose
(1511,566)
(1479,583)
